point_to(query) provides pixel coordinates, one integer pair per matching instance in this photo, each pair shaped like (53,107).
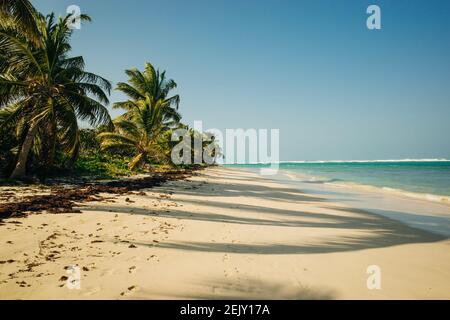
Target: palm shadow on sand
(373,230)
(255,289)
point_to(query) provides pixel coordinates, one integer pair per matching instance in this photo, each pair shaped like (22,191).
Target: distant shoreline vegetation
(45,92)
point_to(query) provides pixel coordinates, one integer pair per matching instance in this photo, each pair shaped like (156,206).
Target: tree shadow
(337,244)
(256,289)
(232,188)
(366,229)
(276,217)
(434,224)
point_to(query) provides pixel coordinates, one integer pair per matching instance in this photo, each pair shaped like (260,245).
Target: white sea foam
(398,192)
(370,188)
(423,211)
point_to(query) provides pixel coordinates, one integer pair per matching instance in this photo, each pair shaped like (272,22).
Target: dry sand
(222,234)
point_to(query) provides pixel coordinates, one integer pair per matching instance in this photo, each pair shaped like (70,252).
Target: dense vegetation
(45,93)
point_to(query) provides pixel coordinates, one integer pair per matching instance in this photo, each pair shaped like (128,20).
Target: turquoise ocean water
(430,177)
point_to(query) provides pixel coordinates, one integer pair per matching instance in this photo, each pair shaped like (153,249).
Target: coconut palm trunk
(21,165)
(50,147)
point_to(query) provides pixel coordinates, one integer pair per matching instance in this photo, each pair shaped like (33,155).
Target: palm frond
(130,91)
(110,136)
(22,14)
(137,161)
(108,145)
(87,108)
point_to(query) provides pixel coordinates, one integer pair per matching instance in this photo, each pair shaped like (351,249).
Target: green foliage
(151,113)
(102,166)
(89,143)
(153,84)
(8,142)
(43,90)
(94,162)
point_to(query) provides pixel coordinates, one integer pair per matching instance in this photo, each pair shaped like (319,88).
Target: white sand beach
(222,234)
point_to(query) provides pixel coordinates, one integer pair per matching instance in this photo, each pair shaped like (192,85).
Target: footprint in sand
(129,291)
(132,269)
(92,290)
(108,272)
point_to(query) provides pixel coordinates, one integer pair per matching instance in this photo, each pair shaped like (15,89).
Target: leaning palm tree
(44,92)
(141,132)
(150,83)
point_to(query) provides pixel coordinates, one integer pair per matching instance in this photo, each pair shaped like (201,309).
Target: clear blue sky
(312,69)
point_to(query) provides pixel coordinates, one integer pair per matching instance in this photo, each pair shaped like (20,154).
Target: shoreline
(223,233)
(308,177)
(418,212)
(435,198)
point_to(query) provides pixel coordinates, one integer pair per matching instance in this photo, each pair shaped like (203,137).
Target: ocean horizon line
(344,161)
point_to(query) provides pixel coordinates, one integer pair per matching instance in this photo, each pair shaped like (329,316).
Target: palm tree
(21,14)
(44,91)
(141,131)
(150,83)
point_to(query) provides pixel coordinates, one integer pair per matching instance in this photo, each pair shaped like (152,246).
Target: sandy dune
(222,234)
